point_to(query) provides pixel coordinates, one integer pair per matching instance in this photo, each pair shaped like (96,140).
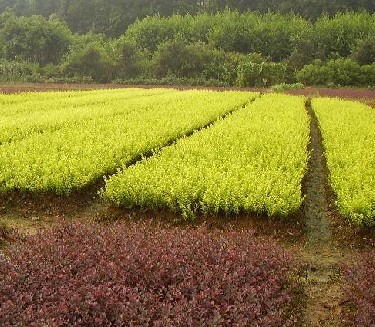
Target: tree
(364,51)
(35,39)
(89,57)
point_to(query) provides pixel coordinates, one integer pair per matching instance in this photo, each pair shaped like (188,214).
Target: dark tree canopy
(212,42)
(111,17)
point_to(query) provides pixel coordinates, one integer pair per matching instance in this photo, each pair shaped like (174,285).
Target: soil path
(322,288)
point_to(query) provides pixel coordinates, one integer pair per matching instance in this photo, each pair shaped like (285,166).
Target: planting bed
(46,156)
(252,161)
(360,289)
(348,130)
(146,275)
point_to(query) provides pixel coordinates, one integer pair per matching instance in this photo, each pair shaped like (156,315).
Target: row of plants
(252,161)
(146,275)
(23,119)
(28,103)
(359,288)
(81,152)
(348,137)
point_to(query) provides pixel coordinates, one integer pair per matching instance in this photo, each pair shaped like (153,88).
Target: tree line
(112,17)
(226,48)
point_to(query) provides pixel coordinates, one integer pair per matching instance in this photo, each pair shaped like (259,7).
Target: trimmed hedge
(85,274)
(360,289)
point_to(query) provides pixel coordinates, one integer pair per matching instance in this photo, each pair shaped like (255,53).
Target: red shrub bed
(85,274)
(360,289)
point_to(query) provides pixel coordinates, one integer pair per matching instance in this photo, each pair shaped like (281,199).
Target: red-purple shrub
(7,234)
(360,289)
(85,274)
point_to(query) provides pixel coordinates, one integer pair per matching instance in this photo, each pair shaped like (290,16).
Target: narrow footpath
(322,287)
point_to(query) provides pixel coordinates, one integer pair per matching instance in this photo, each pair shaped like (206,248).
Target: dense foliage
(337,72)
(24,115)
(111,17)
(349,141)
(228,47)
(61,148)
(34,39)
(360,289)
(252,161)
(83,274)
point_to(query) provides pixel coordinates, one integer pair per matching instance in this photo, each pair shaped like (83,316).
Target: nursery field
(170,207)
(61,150)
(252,161)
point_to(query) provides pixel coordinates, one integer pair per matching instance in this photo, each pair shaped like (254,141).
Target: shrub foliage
(85,142)
(251,161)
(360,289)
(84,274)
(350,123)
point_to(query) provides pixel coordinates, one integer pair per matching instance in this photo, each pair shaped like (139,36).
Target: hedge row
(85,274)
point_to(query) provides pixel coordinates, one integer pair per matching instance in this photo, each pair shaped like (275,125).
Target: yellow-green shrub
(348,130)
(253,161)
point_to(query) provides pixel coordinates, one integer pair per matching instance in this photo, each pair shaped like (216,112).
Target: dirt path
(322,289)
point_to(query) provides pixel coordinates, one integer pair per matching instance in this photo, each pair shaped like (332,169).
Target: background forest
(243,43)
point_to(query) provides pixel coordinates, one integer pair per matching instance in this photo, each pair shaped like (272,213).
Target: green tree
(126,59)
(336,37)
(90,58)
(364,51)
(34,39)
